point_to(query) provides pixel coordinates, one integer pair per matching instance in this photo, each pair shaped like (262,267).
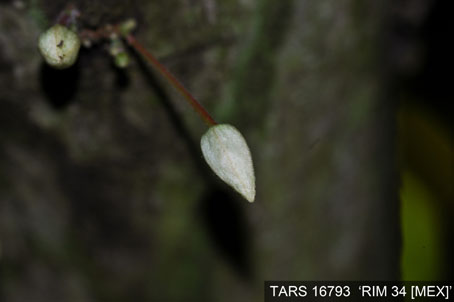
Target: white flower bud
(227,153)
(59,46)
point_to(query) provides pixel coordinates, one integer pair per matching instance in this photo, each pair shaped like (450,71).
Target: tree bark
(103,191)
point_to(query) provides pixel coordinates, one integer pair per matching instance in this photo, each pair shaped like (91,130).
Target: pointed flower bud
(227,153)
(59,46)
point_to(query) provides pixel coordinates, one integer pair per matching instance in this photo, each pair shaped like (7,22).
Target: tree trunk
(104,194)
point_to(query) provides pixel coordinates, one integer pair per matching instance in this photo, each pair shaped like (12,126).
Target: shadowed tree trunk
(104,193)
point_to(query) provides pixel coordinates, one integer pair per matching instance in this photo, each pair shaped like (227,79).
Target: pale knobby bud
(227,153)
(59,46)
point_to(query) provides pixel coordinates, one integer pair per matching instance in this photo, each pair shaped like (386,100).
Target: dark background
(105,196)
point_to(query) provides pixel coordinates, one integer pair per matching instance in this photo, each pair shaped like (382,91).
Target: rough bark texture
(104,194)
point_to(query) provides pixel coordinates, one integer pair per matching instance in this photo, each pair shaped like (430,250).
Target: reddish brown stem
(191,100)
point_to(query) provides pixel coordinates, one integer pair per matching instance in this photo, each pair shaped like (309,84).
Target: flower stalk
(206,117)
(223,146)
